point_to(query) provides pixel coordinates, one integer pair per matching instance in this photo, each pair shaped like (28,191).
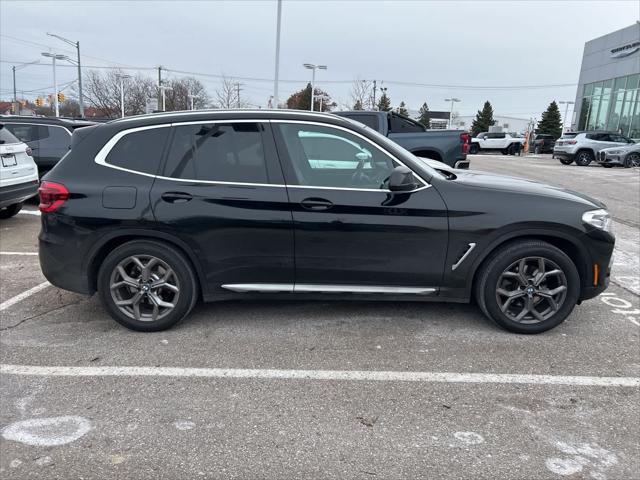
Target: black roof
(64,122)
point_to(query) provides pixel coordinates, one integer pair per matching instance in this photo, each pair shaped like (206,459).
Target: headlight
(598,218)
(613,152)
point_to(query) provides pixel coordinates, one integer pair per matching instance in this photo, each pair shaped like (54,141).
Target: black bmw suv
(157,211)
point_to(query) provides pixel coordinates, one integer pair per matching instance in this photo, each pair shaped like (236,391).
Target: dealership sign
(625,50)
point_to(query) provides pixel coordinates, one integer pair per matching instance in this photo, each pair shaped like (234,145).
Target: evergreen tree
(402,110)
(358,105)
(384,104)
(551,122)
(484,119)
(301,100)
(423,117)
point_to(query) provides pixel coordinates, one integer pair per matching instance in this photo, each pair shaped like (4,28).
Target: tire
(565,161)
(10,211)
(537,151)
(607,165)
(164,263)
(584,158)
(492,278)
(473,149)
(632,160)
(504,151)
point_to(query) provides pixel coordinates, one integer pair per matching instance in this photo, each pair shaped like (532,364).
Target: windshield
(395,149)
(6,136)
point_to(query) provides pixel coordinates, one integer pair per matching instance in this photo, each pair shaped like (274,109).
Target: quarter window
(139,151)
(231,152)
(327,157)
(23,131)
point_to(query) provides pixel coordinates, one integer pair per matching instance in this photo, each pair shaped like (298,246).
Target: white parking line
(30,212)
(339,375)
(29,254)
(18,298)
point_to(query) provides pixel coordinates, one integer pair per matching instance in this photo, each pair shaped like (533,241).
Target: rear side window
(370,121)
(23,131)
(7,137)
(404,125)
(231,152)
(59,137)
(139,151)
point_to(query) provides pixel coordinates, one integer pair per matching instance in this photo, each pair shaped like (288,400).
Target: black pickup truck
(447,146)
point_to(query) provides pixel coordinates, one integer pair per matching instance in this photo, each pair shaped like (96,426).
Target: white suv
(507,143)
(583,147)
(18,174)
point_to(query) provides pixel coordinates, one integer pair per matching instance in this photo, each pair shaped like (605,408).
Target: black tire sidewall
(627,161)
(178,263)
(566,161)
(10,211)
(510,255)
(584,163)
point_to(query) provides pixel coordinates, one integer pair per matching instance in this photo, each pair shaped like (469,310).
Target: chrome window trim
(101,156)
(325,288)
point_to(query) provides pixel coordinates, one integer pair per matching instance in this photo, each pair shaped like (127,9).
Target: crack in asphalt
(11,327)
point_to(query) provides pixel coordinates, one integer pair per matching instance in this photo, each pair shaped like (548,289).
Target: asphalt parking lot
(324,390)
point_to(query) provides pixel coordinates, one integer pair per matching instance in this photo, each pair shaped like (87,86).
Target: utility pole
(163,88)
(160,91)
(566,108)
(452,100)
(15,94)
(77,45)
(122,77)
(275,78)
(238,89)
(374,95)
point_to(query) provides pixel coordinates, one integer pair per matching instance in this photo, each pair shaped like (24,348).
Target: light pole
(192,98)
(77,45)
(54,57)
(452,100)
(163,88)
(566,108)
(15,95)
(275,78)
(313,68)
(122,77)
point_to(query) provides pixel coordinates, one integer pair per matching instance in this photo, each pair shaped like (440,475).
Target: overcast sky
(456,44)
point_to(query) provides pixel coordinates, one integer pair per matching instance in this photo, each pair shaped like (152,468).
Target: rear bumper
(563,154)
(13,194)
(462,164)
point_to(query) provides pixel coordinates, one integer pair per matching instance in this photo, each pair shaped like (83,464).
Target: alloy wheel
(531,290)
(633,160)
(144,288)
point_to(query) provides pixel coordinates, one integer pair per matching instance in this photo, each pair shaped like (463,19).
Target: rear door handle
(176,197)
(316,204)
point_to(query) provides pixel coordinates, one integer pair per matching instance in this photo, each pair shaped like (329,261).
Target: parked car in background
(583,147)
(506,143)
(48,138)
(625,156)
(18,174)
(543,143)
(157,211)
(447,146)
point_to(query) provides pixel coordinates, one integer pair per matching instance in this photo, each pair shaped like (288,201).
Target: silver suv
(583,147)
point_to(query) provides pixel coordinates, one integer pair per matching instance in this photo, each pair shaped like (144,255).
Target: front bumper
(598,270)
(610,159)
(13,194)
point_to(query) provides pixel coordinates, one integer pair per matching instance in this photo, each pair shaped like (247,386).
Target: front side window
(328,157)
(231,152)
(139,151)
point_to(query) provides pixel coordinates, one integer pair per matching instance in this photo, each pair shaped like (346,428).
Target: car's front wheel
(147,285)
(632,160)
(528,286)
(584,158)
(10,211)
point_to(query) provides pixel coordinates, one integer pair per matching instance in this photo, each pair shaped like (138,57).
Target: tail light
(464,138)
(29,152)
(52,196)
(570,142)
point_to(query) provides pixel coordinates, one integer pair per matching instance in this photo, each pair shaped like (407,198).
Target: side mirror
(363,156)
(402,180)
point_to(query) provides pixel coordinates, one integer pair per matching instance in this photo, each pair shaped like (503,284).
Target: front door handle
(316,204)
(176,197)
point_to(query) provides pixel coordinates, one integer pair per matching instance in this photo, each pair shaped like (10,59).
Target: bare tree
(227,96)
(178,98)
(362,94)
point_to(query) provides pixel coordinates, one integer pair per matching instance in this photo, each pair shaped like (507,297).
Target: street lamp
(566,108)
(452,100)
(77,45)
(192,98)
(122,77)
(163,88)
(313,68)
(54,57)
(15,95)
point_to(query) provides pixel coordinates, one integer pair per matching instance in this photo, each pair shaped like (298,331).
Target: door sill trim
(324,288)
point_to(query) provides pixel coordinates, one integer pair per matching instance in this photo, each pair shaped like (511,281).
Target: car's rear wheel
(473,149)
(584,158)
(632,160)
(147,286)
(565,161)
(537,151)
(528,287)
(10,211)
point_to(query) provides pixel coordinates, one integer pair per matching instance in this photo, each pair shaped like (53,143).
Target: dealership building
(608,96)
